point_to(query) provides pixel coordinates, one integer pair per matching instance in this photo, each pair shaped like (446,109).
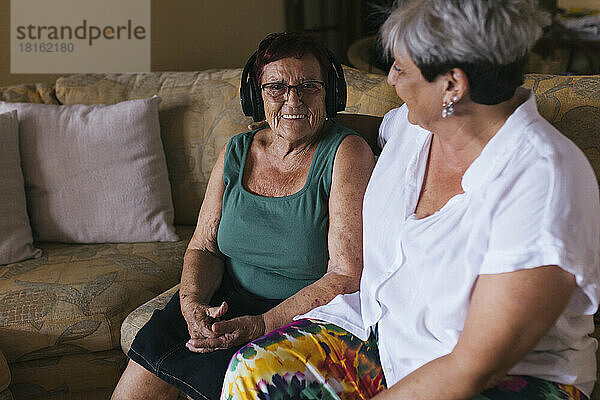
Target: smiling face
(294,117)
(423,98)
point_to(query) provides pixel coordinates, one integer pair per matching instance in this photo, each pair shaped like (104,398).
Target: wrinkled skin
(296,119)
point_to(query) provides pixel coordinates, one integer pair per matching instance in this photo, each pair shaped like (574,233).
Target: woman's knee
(136,382)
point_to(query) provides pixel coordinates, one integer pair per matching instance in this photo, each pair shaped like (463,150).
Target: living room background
(194,35)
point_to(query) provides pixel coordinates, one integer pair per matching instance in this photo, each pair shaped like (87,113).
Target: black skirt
(159,346)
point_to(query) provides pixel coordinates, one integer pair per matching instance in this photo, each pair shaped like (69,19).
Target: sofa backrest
(571,104)
(200,111)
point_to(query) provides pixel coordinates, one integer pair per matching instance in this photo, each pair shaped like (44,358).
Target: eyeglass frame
(289,87)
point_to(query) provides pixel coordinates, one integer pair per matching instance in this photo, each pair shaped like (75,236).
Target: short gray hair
(493,32)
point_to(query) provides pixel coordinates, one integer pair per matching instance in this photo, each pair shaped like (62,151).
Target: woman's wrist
(191,306)
(261,326)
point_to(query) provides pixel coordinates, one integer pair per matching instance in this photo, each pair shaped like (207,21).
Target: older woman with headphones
(279,231)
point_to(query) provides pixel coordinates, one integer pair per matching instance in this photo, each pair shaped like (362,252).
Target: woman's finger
(200,345)
(204,349)
(224,327)
(217,312)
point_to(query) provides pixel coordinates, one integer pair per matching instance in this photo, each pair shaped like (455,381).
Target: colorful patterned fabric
(530,388)
(305,360)
(310,360)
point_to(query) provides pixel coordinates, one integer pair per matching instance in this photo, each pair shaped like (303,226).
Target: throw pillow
(95,173)
(15,233)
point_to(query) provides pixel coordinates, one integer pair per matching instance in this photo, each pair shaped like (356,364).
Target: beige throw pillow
(15,233)
(95,173)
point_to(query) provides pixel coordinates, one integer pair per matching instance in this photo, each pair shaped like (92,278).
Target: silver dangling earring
(448,109)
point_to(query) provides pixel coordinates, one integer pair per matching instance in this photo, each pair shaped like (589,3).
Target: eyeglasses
(277,90)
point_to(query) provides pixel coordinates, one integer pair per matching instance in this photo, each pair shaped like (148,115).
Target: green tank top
(275,246)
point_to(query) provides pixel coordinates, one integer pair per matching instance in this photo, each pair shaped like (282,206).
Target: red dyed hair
(289,44)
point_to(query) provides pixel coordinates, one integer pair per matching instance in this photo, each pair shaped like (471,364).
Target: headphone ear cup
(258,108)
(250,97)
(331,94)
(341,93)
(246,99)
(336,87)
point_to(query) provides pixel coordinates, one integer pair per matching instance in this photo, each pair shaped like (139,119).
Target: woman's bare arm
(202,262)
(508,315)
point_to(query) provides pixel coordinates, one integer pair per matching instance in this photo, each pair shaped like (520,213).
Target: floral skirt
(312,360)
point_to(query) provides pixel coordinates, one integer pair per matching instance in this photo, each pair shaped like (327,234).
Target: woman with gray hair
(481,235)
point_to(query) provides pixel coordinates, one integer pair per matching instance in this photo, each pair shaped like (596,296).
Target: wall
(186,35)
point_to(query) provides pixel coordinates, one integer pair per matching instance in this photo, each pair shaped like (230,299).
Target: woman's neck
(285,148)
(462,137)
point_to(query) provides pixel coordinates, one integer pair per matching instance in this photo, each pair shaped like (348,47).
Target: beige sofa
(63,316)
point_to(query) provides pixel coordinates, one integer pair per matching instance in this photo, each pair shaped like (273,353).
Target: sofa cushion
(90,376)
(74,298)
(95,174)
(16,243)
(29,93)
(369,94)
(199,113)
(596,335)
(4,373)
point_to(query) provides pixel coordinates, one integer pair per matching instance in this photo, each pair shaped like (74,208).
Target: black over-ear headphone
(335,98)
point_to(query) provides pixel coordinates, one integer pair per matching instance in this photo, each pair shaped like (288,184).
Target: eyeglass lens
(279,89)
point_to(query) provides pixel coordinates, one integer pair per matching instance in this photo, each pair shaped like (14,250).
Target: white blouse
(530,199)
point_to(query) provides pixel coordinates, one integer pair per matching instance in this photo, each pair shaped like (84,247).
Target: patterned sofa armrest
(138,317)
(4,379)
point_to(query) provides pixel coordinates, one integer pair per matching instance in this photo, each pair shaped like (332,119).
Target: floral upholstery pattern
(4,377)
(64,310)
(572,105)
(90,376)
(29,93)
(6,395)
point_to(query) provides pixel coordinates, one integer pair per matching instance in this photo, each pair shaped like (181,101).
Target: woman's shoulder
(243,136)
(394,125)
(565,164)
(353,158)
(239,143)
